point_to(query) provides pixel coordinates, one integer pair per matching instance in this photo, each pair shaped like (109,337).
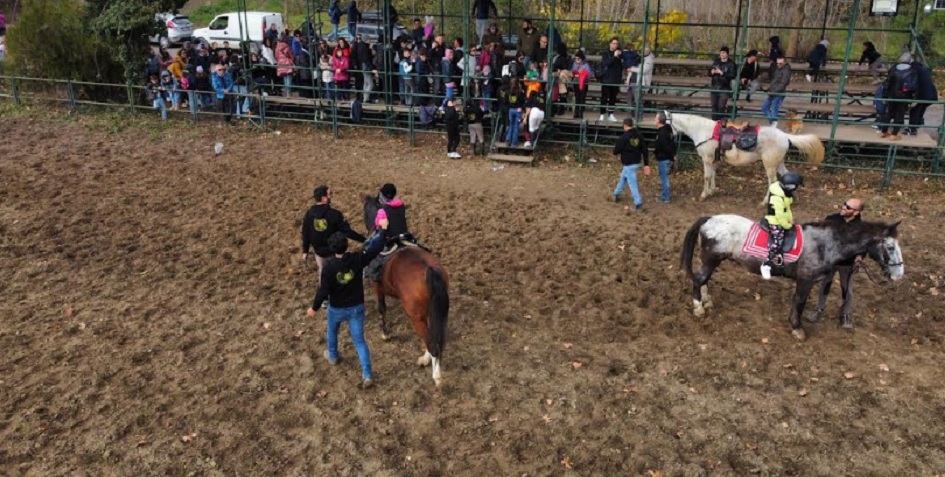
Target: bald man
(849,213)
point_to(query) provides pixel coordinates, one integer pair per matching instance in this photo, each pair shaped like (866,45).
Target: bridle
(863,265)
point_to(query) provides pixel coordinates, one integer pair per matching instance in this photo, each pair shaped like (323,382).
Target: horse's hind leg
(382,310)
(700,288)
(708,178)
(418,318)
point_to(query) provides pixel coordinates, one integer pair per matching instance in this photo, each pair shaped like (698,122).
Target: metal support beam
(551,51)
(637,89)
(851,29)
(823,26)
(659,13)
(740,55)
(467,47)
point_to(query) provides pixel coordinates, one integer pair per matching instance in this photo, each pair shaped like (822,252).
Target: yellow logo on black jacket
(321,225)
(345,277)
(634,142)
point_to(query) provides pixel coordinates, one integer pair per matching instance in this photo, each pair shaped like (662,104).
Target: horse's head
(884,248)
(669,120)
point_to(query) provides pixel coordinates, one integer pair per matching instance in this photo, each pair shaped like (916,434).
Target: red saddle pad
(756,244)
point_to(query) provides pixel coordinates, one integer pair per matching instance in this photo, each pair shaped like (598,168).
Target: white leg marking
(425,359)
(437,377)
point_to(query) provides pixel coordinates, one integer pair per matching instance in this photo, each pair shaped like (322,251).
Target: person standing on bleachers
(610,79)
(723,72)
(926,92)
(774,52)
(817,59)
(779,83)
(748,77)
(901,85)
(873,59)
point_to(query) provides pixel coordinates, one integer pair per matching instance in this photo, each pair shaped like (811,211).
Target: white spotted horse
(810,253)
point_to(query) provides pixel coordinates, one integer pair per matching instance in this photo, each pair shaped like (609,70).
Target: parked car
(230,26)
(174,29)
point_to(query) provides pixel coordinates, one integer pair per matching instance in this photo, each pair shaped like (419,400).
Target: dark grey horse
(825,244)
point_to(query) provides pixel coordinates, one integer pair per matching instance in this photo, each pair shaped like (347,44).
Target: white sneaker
(808,78)
(601,118)
(450,154)
(528,144)
(766,272)
(457,155)
(612,118)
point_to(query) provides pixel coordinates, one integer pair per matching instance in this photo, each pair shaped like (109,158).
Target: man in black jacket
(899,89)
(632,150)
(849,214)
(612,65)
(926,92)
(748,77)
(483,11)
(320,222)
(665,152)
(872,59)
(723,72)
(341,285)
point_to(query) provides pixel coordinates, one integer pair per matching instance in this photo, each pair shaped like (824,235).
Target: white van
(228,27)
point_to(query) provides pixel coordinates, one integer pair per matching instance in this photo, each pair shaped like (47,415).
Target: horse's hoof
(700,312)
(707,303)
(815,316)
(846,321)
(437,381)
(799,334)
(423,361)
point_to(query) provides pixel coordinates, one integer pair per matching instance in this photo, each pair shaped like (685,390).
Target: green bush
(51,40)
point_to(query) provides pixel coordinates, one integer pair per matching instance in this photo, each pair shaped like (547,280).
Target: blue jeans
(161,105)
(664,166)
(334,31)
(241,106)
(355,318)
(771,107)
(515,117)
(352,28)
(287,83)
(449,94)
(629,176)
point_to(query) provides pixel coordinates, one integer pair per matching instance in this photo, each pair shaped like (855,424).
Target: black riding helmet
(389,191)
(790,182)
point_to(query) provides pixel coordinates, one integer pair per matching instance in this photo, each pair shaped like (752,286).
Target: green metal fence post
(937,161)
(334,117)
(16,91)
(410,122)
(467,45)
(740,54)
(890,163)
(551,51)
(854,11)
(70,92)
(262,111)
(131,96)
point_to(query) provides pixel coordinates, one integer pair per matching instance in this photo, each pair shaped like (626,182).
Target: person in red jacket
(581,72)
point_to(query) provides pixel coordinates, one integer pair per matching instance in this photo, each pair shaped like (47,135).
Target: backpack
(184,82)
(910,81)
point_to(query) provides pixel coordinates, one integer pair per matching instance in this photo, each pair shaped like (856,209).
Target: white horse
(773,145)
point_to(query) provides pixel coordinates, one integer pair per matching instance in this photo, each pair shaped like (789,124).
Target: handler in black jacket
(632,150)
(723,72)
(665,152)
(320,222)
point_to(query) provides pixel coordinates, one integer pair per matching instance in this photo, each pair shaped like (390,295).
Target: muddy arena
(153,319)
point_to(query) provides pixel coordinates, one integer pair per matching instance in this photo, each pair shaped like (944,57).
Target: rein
(865,267)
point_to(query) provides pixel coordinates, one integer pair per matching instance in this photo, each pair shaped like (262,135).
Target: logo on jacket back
(345,277)
(321,225)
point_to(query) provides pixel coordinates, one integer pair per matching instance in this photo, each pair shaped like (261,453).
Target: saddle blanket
(756,244)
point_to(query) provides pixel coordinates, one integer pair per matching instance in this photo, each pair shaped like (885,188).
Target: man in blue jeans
(341,284)
(780,79)
(665,152)
(632,150)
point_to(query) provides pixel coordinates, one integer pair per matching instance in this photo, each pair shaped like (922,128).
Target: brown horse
(416,278)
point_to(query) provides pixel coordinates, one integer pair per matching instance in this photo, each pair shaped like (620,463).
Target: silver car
(174,28)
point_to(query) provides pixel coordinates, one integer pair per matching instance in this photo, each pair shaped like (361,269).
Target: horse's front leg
(772,173)
(708,177)
(382,310)
(801,293)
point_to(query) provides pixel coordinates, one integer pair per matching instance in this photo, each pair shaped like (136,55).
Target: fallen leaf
(703,347)
(566,462)
(915,341)
(849,375)
(884,368)
(918,315)
(933,291)
(142,443)
(82,326)
(654,473)
(298,334)
(784,425)
(189,437)
(764,340)
(802,392)
(546,418)
(323,393)
(679,434)
(70,312)
(692,390)
(814,380)
(267,325)
(577,365)
(788,366)
(493,418)
(549,402)
(568,345)
(882,382)
(630,389)
(757,296)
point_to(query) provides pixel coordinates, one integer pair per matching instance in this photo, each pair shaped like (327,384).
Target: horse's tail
(689,245)
(438,312)
(810,145)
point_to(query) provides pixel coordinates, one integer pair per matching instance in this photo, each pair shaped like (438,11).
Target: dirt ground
(152,320)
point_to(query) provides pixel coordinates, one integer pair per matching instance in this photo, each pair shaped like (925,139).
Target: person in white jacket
(647,71)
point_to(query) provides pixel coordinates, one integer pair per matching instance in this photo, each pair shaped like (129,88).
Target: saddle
(756,243)
(375,269)
(744,138)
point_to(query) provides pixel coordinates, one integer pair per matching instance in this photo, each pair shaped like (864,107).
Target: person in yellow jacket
(779,218)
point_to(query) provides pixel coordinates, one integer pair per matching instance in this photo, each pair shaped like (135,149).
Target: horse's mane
(855,230)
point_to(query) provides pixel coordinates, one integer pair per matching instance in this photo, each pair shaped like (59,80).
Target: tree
(128,24)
